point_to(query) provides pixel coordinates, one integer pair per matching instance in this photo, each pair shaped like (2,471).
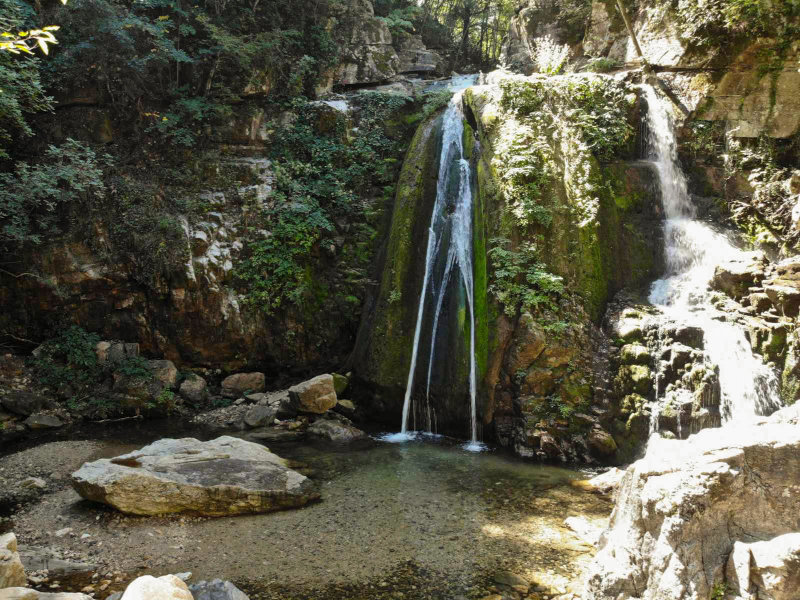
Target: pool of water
(426,518)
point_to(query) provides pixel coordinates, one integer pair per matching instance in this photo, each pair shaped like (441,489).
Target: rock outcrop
(225,476)
(717,511)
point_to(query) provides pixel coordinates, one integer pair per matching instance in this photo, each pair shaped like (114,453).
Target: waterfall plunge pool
(423,519)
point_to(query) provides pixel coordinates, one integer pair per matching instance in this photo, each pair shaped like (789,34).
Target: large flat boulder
(717,511)
(12,574)
(315,396)
(23,593)
(225,476)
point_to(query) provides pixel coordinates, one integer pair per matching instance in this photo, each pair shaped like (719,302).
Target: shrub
(550,57)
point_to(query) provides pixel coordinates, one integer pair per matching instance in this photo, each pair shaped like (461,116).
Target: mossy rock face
(635,354)
(633,379)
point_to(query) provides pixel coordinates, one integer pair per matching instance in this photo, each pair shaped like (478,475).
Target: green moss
(480,282)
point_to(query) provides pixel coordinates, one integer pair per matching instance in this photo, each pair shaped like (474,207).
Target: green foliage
(603,65)
(31,196)
(520,281)
(320,176)
(719,591)
(435,101)
(401,20)
(135,367)
(69,358)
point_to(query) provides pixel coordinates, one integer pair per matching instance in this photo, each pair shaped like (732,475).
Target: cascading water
(448,255)
(693,250)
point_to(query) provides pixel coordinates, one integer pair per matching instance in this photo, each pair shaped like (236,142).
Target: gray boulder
(194,389)
(164,371)
(336,431)
(260,416)
(43,421)
(23,593)
(216,590)
(225,476)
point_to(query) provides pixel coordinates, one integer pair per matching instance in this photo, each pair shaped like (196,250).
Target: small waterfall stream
(450,245)
(693,250)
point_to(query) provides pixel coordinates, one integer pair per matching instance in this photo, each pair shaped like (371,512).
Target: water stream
(450,244)
(693,250)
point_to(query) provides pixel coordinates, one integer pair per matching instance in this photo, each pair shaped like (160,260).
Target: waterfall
(693,250)
(449,244)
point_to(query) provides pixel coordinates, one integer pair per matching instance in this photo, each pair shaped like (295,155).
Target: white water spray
(693,250)
(453,210)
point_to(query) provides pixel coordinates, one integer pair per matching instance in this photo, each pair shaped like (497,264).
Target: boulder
(340,383)
(225,476)
(529,343)
(167,587)
(24,403)
(600,443)
(12,573)
(164,371)
(684,507)
(316,395)
(635,354)
(23,593)
(346,408)
(276,436)
(336,431)
(260,416)
(115,352)
(194,389)
(43,421)
(738,274)
(216,590)
(237,385)
(768,569)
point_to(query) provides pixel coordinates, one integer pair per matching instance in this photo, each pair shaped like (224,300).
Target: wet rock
(276,436)
(605,483)
(237,385)
(47,559)
(685,505)
(260,416)
(12,573)
(25,403)
(164,371)
(216,590)
(335,431)
(740,273)
(760,302)
(529,342)
(167,587)
(785,295)
(194,389)
(43,421)
(225,476)
(315,396)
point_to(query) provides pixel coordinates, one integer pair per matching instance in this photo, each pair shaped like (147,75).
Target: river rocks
(601,443)
(216,590)
(12,573)
(237,385)
(683,508)
(315,396)
(346,408)
(260,416)
(25,403)
(336,431)
(225,476)
(167,587)
(194,389)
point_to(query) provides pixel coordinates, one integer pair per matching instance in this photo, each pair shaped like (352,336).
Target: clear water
(452,211)
(693,251)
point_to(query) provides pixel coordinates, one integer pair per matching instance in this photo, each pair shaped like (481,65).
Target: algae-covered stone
(600,443)
(635,354)
(340,383)
(633,379)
